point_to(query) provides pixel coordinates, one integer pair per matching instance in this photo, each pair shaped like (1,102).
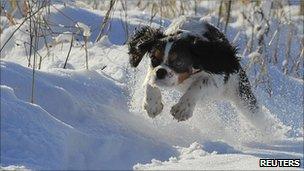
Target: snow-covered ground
(195,158)
(92,119)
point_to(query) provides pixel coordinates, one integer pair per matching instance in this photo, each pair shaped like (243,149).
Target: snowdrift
(80,121)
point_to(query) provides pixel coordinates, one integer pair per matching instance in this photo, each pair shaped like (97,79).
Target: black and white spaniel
(197,58)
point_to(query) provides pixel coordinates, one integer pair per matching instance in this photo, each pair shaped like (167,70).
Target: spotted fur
(205,66)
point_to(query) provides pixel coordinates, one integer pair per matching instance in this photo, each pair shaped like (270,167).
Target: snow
(195,158)
(64,37)
(210,162)
(85,29)
(13,167)
(189,25)
(75,123)
(93,119)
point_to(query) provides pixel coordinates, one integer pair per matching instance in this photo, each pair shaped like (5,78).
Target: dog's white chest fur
(200,86)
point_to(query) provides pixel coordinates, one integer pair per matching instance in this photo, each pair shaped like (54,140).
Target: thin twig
(105,20)
(70,49)
(228,15)
(19,28)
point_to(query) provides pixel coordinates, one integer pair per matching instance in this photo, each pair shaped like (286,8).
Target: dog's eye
(178,63)
(179,66)
(155,62)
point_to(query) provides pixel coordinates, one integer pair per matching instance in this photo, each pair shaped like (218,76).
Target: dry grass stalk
(105,20)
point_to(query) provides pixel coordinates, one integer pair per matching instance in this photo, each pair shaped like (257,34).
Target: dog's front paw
(153,107)
(153,103)
(182,111)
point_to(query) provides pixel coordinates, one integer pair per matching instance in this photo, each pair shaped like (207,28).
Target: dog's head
(176,57)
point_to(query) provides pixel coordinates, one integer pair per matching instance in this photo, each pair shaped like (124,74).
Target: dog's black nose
(161,73)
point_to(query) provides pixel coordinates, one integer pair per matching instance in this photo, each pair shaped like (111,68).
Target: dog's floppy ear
(215,57)
(142,42)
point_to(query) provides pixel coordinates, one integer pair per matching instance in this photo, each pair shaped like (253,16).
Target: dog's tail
(259,116)
(246,93)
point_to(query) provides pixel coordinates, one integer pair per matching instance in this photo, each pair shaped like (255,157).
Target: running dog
(197,58)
